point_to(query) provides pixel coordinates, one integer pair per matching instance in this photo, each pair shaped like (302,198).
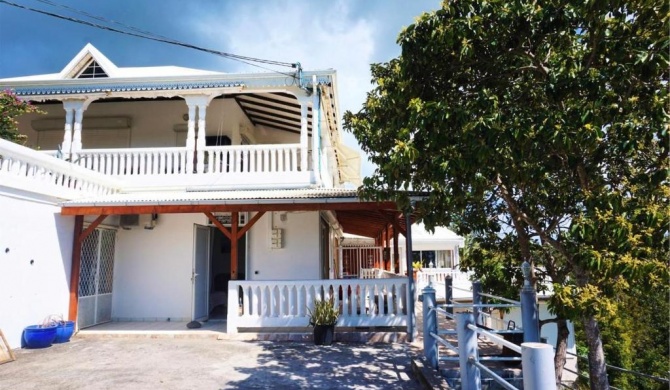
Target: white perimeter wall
(32,230)
(299,259)
(152,270)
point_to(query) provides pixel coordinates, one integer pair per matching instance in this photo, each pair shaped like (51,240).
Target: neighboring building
(166,193)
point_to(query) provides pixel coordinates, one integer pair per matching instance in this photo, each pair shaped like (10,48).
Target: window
(434,259)
(92,71)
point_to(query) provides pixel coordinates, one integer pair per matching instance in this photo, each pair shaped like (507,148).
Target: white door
(200,275)
(96,278)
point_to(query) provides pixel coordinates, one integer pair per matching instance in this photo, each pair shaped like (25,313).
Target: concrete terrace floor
(185,363)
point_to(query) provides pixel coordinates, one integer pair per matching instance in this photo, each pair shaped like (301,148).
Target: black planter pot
(324,334)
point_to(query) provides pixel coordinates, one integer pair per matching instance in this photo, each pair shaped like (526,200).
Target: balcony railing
(29,170)
(177,168)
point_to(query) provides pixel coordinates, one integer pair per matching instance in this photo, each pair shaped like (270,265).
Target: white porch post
(190,138)
(200,144)
(66,146)
(303,134)
(316,136)
(74,115)
(196,103)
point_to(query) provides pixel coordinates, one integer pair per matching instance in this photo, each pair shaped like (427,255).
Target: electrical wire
(154,37)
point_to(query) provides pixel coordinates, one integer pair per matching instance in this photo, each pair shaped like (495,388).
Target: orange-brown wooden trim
(233,245)
(91,227)
(250,223)
(75,267)
(218,224)
(169,209)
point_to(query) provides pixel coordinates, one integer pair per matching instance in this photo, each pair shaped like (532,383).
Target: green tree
(541,122)
(12,107)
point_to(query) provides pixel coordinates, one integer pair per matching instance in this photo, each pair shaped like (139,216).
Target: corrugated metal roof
(96,88)
(216,197)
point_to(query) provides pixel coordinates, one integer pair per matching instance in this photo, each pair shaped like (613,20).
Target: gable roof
(89,55)
(83,59)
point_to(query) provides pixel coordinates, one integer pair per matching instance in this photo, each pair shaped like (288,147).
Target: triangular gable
(88,63)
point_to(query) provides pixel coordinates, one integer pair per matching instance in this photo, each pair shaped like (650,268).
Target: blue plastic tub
(64,331)
(36,336)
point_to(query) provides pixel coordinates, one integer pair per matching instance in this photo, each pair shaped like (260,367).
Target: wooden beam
(393,220)
(171,209)
(396,255)
(92,227)
(75,267)
(233,245)
(218,224)
(250,223)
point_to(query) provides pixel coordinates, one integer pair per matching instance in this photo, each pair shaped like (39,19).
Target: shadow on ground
(339,366)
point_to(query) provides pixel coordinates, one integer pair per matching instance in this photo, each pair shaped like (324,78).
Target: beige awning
(349,164)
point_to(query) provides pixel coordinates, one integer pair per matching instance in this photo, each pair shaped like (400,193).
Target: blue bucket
(35,336)
(64,331)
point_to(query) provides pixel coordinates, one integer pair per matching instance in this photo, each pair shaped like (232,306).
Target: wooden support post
(396,255)
(75,267)
(233,245)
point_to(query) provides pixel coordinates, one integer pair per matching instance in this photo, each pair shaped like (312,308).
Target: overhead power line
(151,36)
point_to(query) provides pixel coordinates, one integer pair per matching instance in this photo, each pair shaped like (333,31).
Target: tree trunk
(561,348)
(597,369)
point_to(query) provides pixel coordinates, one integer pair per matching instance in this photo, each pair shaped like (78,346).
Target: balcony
(177,168)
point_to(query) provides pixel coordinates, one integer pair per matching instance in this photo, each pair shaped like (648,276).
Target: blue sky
(346,35)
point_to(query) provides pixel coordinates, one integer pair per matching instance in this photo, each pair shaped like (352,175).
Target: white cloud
(318,36)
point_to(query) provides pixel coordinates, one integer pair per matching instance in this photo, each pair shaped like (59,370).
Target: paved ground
(208,364)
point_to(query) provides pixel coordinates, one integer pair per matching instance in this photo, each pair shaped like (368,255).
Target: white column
(195,143)
(190,138)
(76,136)
(316,136)
(303,135)
(74,110)
(66,146)
(202,113)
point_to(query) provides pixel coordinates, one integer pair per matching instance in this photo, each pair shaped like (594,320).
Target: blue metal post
(467,347)
(476,300)
(448,283)
(537,362)
(529,316)
(429,326)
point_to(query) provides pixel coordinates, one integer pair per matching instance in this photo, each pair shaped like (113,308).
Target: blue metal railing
(536,358)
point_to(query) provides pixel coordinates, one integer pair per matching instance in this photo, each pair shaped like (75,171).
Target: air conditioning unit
(129,221)
(226,218)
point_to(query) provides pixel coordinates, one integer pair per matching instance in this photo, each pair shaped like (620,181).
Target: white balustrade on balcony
(361,303)
(279,158)
(34,171)
(135,161)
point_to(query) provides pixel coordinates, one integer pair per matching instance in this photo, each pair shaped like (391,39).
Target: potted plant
(323,319)
(41,335)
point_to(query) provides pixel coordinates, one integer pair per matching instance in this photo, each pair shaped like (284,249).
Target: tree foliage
(539,126)
(11,108)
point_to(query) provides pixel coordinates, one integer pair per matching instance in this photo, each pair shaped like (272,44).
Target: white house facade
(174,194)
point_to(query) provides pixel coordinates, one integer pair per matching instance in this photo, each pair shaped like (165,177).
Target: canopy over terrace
(379,220)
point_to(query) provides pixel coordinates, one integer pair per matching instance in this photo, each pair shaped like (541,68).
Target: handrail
(497,339)
(499,298)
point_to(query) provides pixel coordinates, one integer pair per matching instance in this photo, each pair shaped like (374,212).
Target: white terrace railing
(176,168)
(378,273)
(29,170)
(362,303)
(253,158)
(136,161)
(461,281)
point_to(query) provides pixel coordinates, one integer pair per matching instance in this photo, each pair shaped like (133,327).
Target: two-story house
(175,194)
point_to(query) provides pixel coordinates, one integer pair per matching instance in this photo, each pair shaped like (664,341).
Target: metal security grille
(96,277)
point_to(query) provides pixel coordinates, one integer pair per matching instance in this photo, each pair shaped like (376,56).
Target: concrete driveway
(146,363)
